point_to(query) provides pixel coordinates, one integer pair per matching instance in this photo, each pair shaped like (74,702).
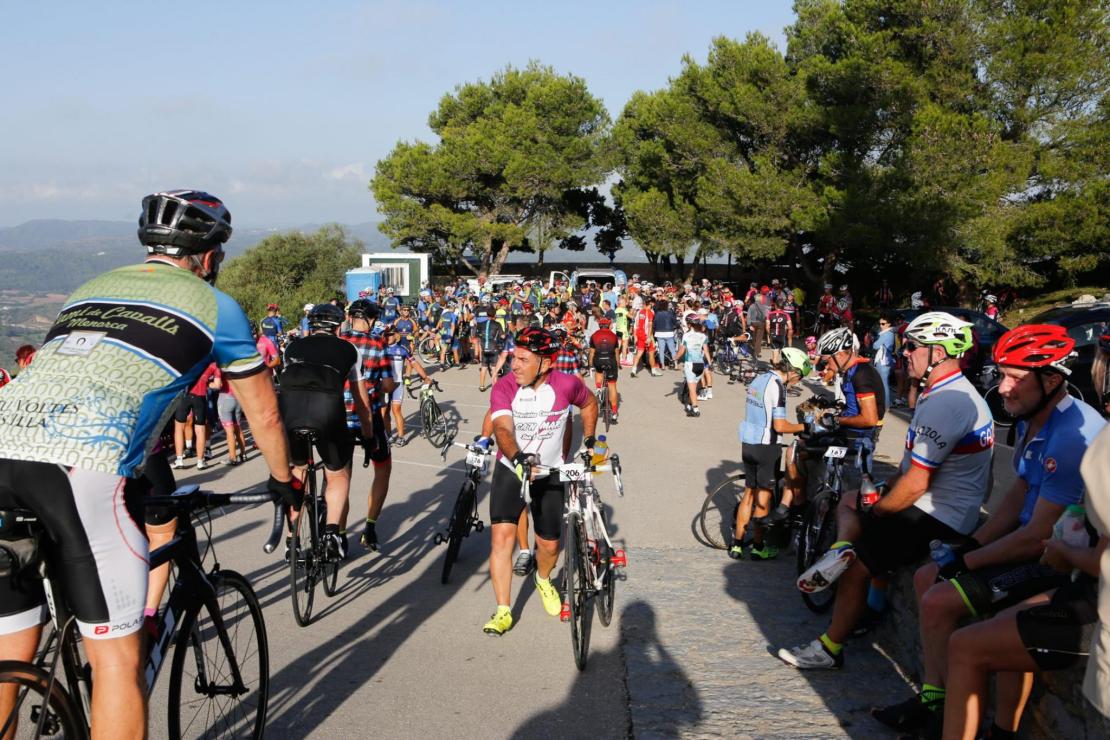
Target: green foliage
(291,269)
(511,151)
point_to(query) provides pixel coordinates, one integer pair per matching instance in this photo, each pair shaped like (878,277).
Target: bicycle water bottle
(601,450)
(1071,529)
(941,554)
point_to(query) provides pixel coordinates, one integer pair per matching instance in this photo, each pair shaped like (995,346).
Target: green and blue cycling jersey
(765,402)
(124,345)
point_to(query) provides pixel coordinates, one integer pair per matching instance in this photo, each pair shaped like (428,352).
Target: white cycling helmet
(837,340)
(940,328)
(309,306)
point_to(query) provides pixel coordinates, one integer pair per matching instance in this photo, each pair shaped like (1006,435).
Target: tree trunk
(653,260)
(694,265)
(498,254)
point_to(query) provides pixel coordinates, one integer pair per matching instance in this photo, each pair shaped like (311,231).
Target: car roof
(1073,314)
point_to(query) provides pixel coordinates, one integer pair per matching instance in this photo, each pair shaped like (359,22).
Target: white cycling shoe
(825,571)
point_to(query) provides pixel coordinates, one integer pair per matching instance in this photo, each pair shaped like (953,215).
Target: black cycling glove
(291,491)
(589,442)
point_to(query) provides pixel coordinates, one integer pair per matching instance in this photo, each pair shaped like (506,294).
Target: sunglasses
(911,346)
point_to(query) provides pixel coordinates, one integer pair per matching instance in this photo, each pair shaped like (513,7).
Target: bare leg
(851,600)
(500,561)
(522,530)
(158,535)
(743,514)
(547,553)
(119,693)
(16,646)
(379,489)
(1012,690)
(398,418)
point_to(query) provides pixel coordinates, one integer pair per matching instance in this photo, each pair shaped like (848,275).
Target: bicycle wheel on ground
(817,536)
(606,409)
(329,565)
(459,527)
(427,350)
(27,684)
(205,697)
(608,593)
(717,519)
(576,579)
(435,425)
(302,575)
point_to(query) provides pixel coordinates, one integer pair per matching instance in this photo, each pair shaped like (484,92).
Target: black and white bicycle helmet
(837,340)
(183,222)
(325,317)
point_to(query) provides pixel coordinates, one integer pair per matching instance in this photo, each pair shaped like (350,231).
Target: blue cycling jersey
(765,402)
(1049,463)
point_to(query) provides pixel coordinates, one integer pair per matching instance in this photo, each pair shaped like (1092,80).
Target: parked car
(1085,322)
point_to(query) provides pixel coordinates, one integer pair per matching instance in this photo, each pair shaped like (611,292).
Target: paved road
(397,654)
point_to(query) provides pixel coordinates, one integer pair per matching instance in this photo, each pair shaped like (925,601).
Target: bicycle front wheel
(220,679)
(608,593)
(24,685)
(717,520)
(459,527)
(302,574)
(427,350)
(817,536)
(435,425)
(576,578)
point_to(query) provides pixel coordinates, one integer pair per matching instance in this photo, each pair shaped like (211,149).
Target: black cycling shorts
(761,465)
(777,342)
(94,544)
(158,480)
(197,404)
(1058,634)
(324,414)
(607,367)
(505,502)
(490,357)
(901,539)
(989,590)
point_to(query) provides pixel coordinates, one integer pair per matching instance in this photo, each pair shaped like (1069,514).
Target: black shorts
(607,367)
(761,465)
(901,539)
(490,357)
(197,404)
(380,452)
(777,342)
(505,502)
(1058,634)
(989,590)
(324,414)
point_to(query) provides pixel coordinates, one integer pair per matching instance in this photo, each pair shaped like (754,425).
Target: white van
(581,276)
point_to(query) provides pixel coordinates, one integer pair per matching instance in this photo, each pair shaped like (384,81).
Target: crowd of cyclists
(143,360)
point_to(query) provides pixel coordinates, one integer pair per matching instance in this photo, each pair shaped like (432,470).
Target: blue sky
(282,108)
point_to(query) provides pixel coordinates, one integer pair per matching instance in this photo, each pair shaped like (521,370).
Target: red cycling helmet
(1036,347)
(604,322)
(539,341)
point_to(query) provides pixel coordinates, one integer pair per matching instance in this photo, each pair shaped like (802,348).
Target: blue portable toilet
(362,278)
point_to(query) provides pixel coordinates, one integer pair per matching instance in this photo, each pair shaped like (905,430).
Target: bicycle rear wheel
(329,562)
(459,528)
(302,574)
(606,410)
(58,715)
(817,536)
(427,350)
(608,593)
(576,579)
(204,699)
(435,425)
(717,519)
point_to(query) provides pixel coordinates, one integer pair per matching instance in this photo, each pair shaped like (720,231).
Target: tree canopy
(291,269)
(513,157)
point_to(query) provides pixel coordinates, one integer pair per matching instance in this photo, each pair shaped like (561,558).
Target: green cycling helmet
(798,360)
(944,329)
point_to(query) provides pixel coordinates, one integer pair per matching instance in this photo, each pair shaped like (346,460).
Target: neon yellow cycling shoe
(552,602)
(500,623)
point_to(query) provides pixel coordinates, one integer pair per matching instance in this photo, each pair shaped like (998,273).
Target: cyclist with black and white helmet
(936,495)
(861,387)
(124,345)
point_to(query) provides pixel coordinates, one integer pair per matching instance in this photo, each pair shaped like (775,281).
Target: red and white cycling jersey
(539,415)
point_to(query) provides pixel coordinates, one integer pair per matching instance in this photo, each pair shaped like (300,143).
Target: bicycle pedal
(620,559)
(564,613)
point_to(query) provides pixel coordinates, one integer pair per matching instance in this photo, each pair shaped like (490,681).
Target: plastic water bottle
(868,493)
(1071,529)
(941,554)
(601,450)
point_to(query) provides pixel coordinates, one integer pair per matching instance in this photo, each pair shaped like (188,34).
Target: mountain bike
(220,670)
(434,424)
(464,517)
(311,560)
(590,563)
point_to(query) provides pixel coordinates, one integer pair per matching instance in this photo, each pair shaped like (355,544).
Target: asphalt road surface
(397,654)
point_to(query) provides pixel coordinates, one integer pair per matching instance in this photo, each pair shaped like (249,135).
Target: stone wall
(1057,708)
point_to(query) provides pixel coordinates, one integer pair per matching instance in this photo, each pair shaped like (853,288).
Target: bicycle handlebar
(468,446)
(190,498)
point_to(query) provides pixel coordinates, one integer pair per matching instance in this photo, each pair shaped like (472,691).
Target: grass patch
(1025,309)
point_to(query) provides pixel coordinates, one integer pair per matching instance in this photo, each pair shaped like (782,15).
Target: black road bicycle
(433,423)
(220,670)
(464,517)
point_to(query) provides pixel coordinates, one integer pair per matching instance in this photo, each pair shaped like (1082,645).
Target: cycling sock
(839,544)
(932,696)
(997,733)
(150,611)
(833,647)
(371,522)
(876,598)
(525,551)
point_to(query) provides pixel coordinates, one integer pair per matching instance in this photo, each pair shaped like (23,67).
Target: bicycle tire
(577,584)
(427,350)
(302,579)
(459,528)
(210,688)
(608,593)
(436,429)
(717,519)
(329,567)
(818,535)
(606,410)
(62,715)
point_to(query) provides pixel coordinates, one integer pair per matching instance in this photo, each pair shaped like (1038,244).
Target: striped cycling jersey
(766,401)
(952,434)
(124,345)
